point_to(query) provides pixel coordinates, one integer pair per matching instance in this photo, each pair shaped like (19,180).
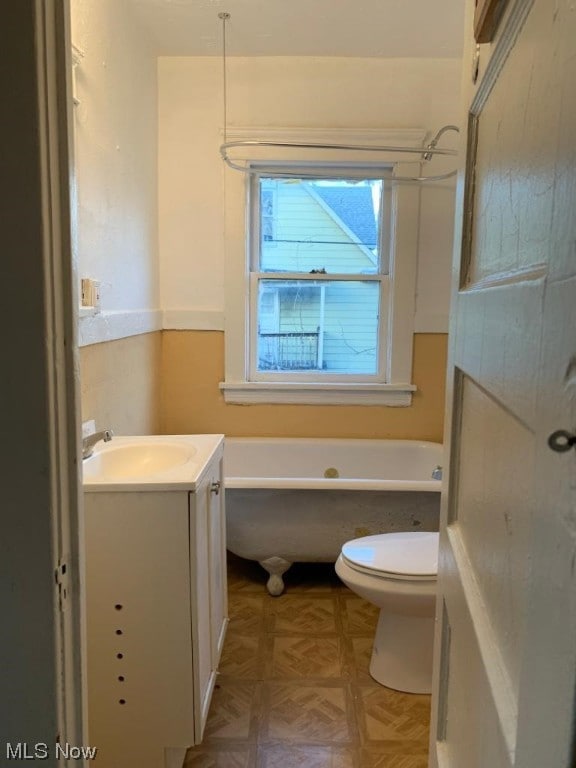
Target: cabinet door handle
(215,487)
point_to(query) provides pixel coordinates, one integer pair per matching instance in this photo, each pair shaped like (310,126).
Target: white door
(506,632)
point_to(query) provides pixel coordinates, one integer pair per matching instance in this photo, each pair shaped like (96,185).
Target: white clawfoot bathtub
(300,499)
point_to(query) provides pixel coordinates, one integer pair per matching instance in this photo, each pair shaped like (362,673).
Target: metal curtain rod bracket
(426,153)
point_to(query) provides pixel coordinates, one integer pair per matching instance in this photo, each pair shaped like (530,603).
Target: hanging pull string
(224,16)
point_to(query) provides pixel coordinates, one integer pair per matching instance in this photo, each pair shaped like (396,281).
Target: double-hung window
(318,277)
(322,310)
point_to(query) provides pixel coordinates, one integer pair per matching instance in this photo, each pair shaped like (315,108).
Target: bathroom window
(318,278)
(321,309)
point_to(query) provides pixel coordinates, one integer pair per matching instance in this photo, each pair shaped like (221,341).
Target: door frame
(45,637)
(56,102)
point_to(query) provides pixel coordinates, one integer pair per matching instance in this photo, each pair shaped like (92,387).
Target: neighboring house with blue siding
(307,227)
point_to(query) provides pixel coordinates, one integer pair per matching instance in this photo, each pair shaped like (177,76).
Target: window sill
(297,393)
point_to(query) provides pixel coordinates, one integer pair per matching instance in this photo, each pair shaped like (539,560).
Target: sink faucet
(89,442)
(437,473)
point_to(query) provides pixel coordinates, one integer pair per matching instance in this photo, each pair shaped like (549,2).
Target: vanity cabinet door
(200,605)
(208,586)
(139,642)
(217,564)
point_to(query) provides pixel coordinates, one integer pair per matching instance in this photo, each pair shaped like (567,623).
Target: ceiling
(364,28)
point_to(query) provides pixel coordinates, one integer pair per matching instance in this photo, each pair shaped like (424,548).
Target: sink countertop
(150,463)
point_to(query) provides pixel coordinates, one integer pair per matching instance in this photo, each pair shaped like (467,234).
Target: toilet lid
(400,555)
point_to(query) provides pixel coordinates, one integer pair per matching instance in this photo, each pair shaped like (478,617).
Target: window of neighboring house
(318,278)
(320,305)
(267,218)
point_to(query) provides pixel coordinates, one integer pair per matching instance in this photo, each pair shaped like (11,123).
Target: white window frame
(256,275)
(398,294)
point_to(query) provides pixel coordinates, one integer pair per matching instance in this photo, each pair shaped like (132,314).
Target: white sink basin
(116,462)
(151,461)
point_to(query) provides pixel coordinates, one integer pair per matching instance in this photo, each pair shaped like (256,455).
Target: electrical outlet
(88,428)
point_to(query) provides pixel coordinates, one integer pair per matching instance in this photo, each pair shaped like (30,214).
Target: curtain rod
(425,152)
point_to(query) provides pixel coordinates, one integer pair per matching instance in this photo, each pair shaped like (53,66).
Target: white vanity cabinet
(208,596)
(156,612)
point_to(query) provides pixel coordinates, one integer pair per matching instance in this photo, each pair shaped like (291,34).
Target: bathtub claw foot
(275,566)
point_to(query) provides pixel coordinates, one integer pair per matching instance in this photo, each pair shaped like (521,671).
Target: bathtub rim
(336,440)
(323,483)
(336,484)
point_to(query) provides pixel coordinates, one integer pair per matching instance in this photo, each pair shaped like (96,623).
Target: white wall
(287,92)
(116,167)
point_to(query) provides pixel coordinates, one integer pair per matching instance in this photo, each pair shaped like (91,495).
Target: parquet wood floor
(294,689)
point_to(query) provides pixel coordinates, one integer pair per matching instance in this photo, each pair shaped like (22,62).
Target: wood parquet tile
(358,616)
(305,756)
(371,759)
(316,713)
(315,615)
(393,717)
(306,657)
(360,650)
(233,711)
(242,657)
(214,758)
(294,690)
(246,613)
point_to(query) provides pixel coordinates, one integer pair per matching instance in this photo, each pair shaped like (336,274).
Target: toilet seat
(406,556)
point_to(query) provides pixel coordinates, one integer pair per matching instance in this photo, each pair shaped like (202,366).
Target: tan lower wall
(120,384)
(193,365)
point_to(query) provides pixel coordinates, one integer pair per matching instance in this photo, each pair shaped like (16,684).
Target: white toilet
(397,572)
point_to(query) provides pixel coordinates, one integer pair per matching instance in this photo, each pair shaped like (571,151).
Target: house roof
(353,206)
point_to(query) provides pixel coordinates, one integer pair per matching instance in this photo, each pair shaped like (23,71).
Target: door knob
(561,441)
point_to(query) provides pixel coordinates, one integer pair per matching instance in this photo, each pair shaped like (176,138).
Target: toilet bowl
(397,573)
